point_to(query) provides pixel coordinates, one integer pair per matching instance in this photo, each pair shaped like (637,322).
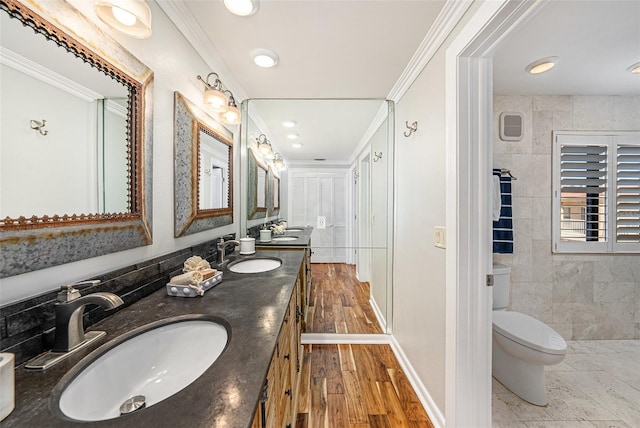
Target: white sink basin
(154,361)
(255,265)
(284,238)
(294,230)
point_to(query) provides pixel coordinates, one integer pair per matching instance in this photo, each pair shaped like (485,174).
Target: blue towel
(503,228)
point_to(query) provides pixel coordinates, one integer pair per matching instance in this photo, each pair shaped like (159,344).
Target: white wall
(582,296)
(175,65)
(419,316)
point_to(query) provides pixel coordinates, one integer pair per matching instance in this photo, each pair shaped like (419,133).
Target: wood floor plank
(355,402)
(395,411)
(379,421)
(318,417)
(302,420)
(304,391)
(337,411)
(347,362)
(333,370)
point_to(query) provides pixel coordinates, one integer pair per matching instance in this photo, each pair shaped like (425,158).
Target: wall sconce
(232,115)
(214,96)
(264,146)
(278,162)
(130,17)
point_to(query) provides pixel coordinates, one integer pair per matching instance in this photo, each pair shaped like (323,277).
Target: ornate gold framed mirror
(63,208)
(203,153)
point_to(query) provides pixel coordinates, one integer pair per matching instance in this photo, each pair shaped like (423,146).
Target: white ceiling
(596,41)
(358,49)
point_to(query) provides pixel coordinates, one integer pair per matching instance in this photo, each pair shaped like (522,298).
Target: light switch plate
(440,237)
(322,222)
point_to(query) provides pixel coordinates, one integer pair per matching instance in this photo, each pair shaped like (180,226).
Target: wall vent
(511,126)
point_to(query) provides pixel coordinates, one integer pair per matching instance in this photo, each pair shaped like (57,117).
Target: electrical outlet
(440,237)
(322,222)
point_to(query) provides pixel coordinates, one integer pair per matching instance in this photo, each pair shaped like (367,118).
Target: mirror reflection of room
(332,188)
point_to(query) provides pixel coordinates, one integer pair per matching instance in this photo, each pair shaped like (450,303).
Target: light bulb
(124,17)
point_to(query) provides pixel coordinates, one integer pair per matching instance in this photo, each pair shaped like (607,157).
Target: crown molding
(447,19)
(45,75)
(183,19)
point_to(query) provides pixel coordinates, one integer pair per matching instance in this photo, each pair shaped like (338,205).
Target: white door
(320,200)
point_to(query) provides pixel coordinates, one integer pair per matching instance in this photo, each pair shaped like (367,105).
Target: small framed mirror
(274,194)
(203,170)
(257,189)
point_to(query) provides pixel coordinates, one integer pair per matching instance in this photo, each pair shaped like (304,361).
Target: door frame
(469,118)
(363,261)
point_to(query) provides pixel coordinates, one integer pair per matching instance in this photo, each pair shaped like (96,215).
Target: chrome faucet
(69,334)
(69,311)
(222,246)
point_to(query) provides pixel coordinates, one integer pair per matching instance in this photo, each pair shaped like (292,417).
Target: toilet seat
(528,332)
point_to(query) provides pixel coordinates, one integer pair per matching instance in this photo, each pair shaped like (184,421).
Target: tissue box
(194,291)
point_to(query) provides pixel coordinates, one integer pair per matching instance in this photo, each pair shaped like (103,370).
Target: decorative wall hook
(411,128)
(377,156)
(39,126)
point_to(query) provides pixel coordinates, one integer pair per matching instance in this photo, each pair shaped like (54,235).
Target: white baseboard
(376,310)
(339,339)
(436,416)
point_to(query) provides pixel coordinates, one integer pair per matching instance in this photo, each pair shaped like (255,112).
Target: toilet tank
(501,282)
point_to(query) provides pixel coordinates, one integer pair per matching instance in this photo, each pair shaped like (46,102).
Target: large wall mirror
(341,171)
(75,139)
(203,170)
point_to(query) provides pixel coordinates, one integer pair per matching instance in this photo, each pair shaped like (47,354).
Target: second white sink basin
(255,265)
(153,362)
(284,238)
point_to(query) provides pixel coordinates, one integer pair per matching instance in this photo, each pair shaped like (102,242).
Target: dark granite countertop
(227,393)
(302,238)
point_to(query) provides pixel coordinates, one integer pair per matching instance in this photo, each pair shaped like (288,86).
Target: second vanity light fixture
(264,146)
(131,17)
(215,98)
(278,162)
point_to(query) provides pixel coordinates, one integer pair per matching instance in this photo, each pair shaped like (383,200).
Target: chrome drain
(132,404)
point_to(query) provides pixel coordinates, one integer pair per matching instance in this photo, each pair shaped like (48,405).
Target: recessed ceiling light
(635,68)
(289,123)
(292,136)
(542,65)
(296,145)
(264,58)
(241,7)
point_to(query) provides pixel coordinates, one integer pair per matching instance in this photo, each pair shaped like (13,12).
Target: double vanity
(249,325)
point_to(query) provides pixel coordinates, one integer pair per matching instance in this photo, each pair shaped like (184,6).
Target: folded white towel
(497,198)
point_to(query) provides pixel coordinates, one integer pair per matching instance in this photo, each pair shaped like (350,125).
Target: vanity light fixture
(214,96)
(289,123)
(264,146)
(264,57)
(232,115)
(278,162)
(542,65)
(634,68)
(241,7)
(131,17)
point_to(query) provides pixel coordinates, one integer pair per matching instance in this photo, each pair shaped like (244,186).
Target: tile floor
(597,385)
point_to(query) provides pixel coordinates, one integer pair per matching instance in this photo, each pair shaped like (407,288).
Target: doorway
(468,80)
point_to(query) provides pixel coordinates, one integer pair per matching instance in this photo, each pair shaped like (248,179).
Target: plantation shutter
(583,186)
(628,194)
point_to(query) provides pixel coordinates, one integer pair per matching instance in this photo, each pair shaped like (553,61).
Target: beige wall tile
(552,103)
(542,131)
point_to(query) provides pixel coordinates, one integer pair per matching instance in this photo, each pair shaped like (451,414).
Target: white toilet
(522,345)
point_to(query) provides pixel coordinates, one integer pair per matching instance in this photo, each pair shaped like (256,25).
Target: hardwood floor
(356,386)
(338,302)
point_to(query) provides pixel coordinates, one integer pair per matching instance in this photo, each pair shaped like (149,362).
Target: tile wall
(582,296)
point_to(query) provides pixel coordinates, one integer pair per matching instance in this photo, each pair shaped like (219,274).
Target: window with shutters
(596,192)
